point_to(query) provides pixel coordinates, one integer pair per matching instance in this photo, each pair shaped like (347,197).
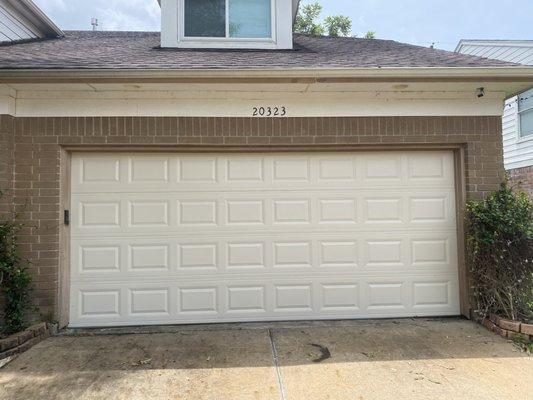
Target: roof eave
(485,74)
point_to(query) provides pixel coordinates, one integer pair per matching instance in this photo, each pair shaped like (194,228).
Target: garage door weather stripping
(198,238)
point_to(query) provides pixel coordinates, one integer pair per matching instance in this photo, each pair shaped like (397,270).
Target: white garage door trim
(194,238)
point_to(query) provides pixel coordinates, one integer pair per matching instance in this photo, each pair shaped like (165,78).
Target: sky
(443,22)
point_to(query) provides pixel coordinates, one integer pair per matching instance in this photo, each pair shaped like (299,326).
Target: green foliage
(306,21)
(15,279)
(500,252)
(338,25)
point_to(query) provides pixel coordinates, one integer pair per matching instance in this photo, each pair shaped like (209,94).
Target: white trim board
(194,104)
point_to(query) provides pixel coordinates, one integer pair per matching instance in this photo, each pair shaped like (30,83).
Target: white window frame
(522,138)
(227,39)
(173,30)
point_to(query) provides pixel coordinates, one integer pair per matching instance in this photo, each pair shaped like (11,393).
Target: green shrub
(500,253)
(15,279)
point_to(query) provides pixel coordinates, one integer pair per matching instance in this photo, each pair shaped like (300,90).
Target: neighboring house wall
(21,20)
(40,141)
(14,26)
(518,151)
(517,51)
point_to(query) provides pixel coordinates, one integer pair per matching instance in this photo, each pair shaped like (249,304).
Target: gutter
(489,74)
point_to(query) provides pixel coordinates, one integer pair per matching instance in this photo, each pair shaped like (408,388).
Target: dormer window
(239,24)
(243,19)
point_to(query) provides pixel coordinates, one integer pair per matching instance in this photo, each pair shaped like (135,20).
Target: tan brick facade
(523,177)
(38,143)
(6,163)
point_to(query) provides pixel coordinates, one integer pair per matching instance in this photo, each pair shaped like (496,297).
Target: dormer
(228,24)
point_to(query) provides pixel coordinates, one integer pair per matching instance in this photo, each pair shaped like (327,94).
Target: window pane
(205,18)
(526,123)
(249,18)
(525,100)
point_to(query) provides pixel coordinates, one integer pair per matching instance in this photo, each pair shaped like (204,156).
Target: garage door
(177,238)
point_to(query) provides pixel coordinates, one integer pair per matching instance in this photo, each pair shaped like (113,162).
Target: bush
(15,279)
(500,253)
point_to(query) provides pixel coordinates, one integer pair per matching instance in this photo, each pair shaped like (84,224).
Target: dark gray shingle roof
(140,50)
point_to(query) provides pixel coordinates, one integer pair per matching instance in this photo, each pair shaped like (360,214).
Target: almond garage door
(191,238)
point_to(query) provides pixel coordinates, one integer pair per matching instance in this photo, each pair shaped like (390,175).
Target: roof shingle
(141,50)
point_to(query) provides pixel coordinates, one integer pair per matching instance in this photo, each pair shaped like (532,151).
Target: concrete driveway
(394,359)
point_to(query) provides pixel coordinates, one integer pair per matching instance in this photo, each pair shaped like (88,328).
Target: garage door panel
(172,213)
(121,173)
(267,299)
(170,238)
(175,256)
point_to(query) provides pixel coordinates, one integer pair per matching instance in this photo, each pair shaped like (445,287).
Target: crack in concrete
(277,365)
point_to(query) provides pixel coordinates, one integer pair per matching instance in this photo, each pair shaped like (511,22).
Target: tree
(338,25)
(307,23)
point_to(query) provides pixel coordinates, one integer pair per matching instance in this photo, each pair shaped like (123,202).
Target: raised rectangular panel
(340,296)
(103,303)
(336,169)
(246,299)
(385,295)
(428,209)
(197,255)
(245,212)
(383,210)
(198,169)
(149,257)
(292,212)
(149,301)
(100,214)
(149,213)
(246,255)
(382,167)
(293,297)
(149,169)
(100,259)
(429,166)
(430,251)
(384,252)
(291,169)
(198,300)
(292,254)
(338,254)
(100,170)
(245,169)
(198,212)
(338,211)
(431,293)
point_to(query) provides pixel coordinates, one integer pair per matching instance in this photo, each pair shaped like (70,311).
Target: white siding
(518,153)
(519,52)
(14,26)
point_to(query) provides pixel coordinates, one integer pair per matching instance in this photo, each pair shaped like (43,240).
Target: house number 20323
(278,111)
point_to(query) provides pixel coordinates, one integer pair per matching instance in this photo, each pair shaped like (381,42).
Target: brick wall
(38,142)
(523,177)
(6,164)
